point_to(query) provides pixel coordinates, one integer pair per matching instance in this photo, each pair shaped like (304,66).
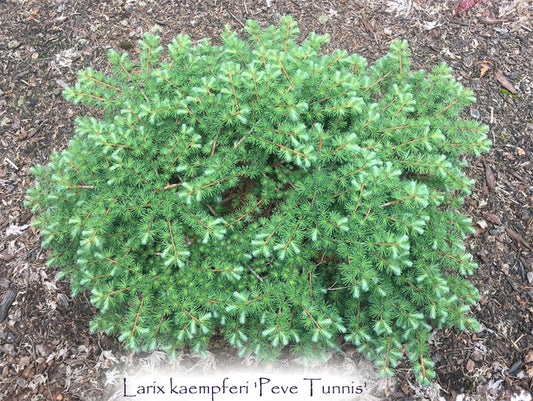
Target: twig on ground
(9,297)
(11,163)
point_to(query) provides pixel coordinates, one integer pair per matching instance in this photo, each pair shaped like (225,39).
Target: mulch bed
(46,349)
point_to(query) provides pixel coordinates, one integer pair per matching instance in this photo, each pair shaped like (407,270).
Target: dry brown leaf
(483,254)
(405,388)
(470,366)
(517,237)
(367,24)
(492,218)
(29,372)
(529,357)
(23,362)
(16,230)
(528,361)
(489,177)
(42,349)
(502,79)
(482,224)
(484,69)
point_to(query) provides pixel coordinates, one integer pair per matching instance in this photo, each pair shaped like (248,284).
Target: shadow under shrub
(279,194)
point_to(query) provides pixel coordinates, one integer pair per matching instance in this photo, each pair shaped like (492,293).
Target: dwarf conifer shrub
(268,192)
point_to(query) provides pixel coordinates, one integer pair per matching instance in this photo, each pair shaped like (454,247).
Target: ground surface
(46,349)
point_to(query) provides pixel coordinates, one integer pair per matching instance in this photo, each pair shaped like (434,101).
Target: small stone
(156,29)
(63,300)
(21,382)
(482,224)
(468,62)
(475,113)
(429,25)
(323,19)
(476,84)
(13,44)
(126,45)
(505,268)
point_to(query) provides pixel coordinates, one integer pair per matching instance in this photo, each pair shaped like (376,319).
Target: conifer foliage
(269,192)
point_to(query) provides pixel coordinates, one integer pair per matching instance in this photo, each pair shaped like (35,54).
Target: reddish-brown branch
(292,234)
(102,83)
(244,214)
(159,325)
(137,318)
(447,107)
(285,72)
(399,200)
(393,128)
(172,239)
(96,97)
(199,221)
(253,300)
(233,88)
(286,148)
(410,142)
(190,314)
(378,81)
(115,292)
(80,187)
(312,318)
(359,200)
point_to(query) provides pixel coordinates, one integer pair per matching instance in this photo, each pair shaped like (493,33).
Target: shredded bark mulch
(46,349)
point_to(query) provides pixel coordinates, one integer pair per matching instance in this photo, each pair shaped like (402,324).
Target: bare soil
(46,349)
